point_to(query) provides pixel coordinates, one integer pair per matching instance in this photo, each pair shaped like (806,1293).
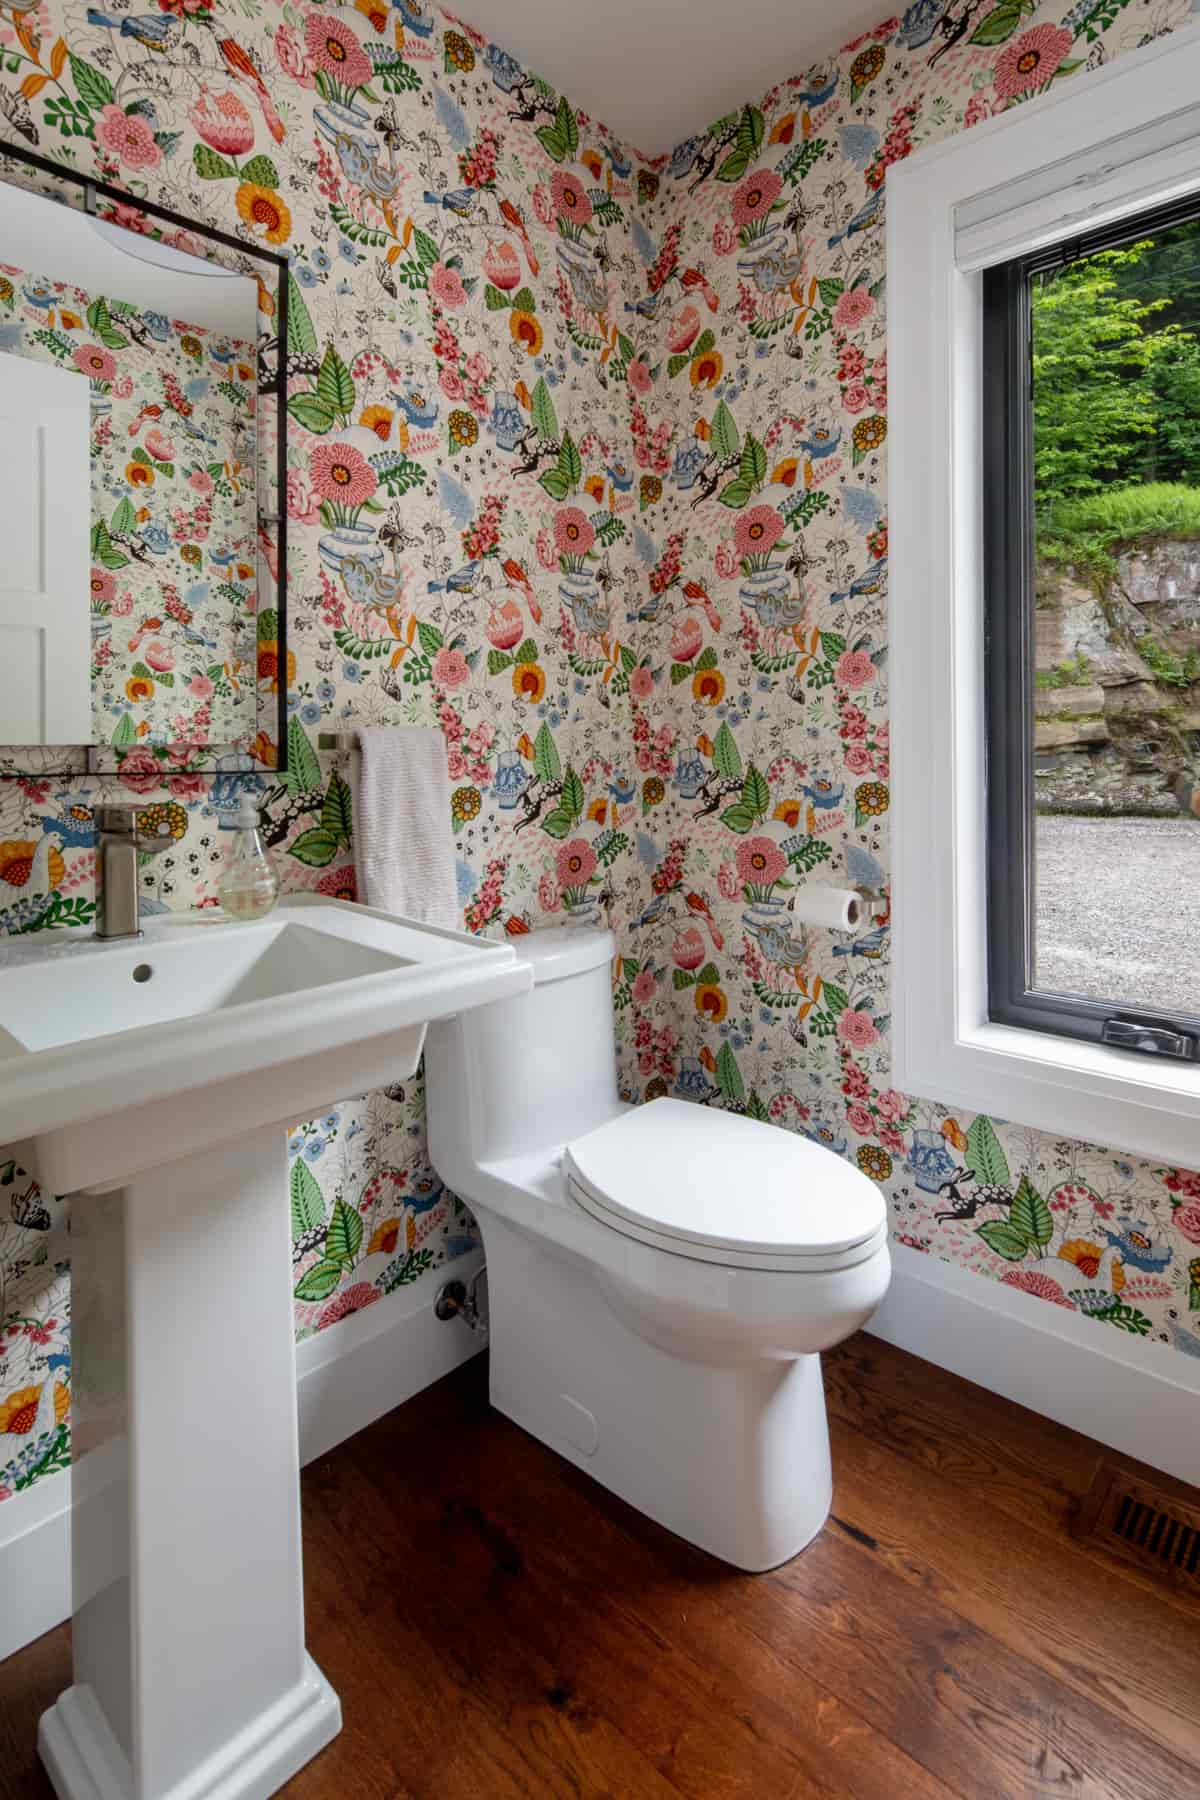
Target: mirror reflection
(128,503)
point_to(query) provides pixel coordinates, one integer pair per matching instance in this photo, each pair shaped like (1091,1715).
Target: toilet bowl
(661,1278)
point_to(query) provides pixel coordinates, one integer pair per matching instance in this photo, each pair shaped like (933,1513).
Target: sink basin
(153,1081)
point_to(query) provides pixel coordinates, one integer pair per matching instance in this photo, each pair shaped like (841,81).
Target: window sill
(1065,1087)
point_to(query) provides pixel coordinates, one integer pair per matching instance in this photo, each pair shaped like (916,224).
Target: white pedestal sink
(155,1080)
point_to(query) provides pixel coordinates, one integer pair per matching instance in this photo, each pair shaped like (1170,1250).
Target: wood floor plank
(1043,1598)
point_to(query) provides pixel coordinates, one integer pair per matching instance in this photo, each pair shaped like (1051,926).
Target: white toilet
(661,1278)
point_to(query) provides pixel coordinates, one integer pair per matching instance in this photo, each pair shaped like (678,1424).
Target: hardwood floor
(497,1625)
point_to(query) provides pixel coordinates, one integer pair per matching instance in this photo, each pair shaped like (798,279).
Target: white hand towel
(403,844)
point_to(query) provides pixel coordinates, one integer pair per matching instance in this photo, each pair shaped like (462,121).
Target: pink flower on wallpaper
(302,503)
(445,284)
(103,587)
(725,559)
(689,948)
(452,384)
(858,759)
(502,266)
(543,205)
(852,307)
(570,199)
(641,682)
(757,530)
(728,885)
(724,238)
(450,668)
(760,862)
(162,448)
(505,625)
(1032,1281)
(683,330)
(857,1029)
(342,474)
(200,687)
(1031,60)
(638,376)
(573,532)
(756,196)
(223,122)
(122,606)
(293,57)
(139,770)
(854,669)
(575,863)
(892,1106)
(158,656)
(129,137)
(95,363)
(335,51)
(201,482)
(855,397)
(686,639)
(549,897)
(860,1120)
(1187,1221)
(644,987)
(351,1299)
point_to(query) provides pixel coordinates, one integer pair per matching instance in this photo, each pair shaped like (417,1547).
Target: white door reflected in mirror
(45,527)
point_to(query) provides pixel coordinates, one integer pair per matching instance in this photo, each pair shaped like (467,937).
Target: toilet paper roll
(841,909)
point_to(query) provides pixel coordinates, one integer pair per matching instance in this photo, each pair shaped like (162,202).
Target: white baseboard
(1136,1396)
(346,1377)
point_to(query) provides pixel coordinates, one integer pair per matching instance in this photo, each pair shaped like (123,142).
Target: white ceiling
(655,71)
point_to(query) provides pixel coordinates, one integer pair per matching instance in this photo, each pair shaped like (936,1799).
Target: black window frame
(1009,661)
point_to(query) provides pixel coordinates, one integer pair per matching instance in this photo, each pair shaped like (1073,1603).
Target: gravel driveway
(1118,910)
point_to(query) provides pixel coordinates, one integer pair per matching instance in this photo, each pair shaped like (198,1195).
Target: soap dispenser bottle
(249,886)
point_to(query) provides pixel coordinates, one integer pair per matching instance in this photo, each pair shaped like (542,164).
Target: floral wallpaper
(588,463)
(173,508)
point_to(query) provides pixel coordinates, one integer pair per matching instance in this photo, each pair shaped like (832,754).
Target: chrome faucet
(119,843)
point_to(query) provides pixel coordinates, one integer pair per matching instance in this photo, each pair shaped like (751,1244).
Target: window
(1091,518)
(1011,1021)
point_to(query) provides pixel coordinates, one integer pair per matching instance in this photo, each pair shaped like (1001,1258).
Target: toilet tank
(531,1071)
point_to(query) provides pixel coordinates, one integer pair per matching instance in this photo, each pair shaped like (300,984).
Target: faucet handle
(118,818)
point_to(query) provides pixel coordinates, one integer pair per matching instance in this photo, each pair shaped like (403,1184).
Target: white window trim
(980,198)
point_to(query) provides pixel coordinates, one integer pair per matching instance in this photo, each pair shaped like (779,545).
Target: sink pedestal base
(191,1677)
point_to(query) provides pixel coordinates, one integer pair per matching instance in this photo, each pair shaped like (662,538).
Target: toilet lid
(726,1188)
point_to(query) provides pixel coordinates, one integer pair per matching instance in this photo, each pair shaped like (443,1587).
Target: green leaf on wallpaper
(1001,1237)
(739,817)
(679,361)
(755,792)
(355,229)
(709,975)
(498,661)
(93,88)
(262,170)
(316,849)
(727,758)
(546,765)
(557,823)
(1030,1215)
(572,794)
(124,518)
(725,439)
(211,166)
(805,854)
(337,811)
(310,411)
(569,462)
(734,166)
(301,333)
(560,140)
(303,769)
(680,672)
(104,551)
(750,130)
(124,732)
(524,300)
(526,651)
(319,1281)
(425,247)
(344,1235)
(707,658)
(555,484)
(736,492)
(494,299)
(430,636)
(1000,24)
(834,999)
(753,466)
(541,407)
(830,289)
(307,1200)
(756,1108)
(729,1076)
(335,384)
(985,1157)
(681,979)
(100,319)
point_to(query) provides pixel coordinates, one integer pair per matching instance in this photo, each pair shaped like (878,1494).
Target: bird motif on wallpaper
(870,582)
(242,67)
(869,214)
(153,31)
(696,903)
(513,217)
(1104,1273)
(37,894)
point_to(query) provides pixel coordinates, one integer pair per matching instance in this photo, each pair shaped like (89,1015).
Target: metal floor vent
(1143,1525)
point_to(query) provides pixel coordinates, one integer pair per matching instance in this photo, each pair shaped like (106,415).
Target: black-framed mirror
(143,445)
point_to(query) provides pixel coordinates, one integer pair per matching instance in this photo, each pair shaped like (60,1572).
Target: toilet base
(733,1459)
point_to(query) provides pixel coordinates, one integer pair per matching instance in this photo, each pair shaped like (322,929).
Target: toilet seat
(721,1188)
